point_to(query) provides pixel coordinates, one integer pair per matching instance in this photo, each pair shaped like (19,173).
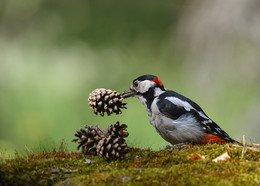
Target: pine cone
(88,138)
(111,148)
(109,143)
(102,100)
(117,130)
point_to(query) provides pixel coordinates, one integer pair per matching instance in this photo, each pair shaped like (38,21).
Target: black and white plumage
(176,118)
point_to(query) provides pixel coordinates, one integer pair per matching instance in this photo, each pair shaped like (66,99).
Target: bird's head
(144,86)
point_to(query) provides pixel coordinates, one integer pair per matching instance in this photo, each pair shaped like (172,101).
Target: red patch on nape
(210,138)
(157,80)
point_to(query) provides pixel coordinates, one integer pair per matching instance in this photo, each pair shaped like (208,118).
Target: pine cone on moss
(111,148)
(102,100)
(109,144)
(88,138)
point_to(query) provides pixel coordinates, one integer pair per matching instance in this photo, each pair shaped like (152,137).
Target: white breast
(184,129)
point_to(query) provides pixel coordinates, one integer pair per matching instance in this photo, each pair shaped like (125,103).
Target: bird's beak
(128,93)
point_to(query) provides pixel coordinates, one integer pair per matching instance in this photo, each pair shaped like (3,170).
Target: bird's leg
(178,146)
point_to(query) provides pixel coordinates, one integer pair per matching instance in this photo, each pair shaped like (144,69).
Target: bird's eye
(135,84)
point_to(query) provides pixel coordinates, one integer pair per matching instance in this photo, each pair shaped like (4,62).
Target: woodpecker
(175,117)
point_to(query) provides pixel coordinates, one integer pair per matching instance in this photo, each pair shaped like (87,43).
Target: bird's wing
(170,110)
(210,127)
(174,107)
(182,100)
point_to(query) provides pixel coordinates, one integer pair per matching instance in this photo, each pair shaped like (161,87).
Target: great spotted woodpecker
(176,118)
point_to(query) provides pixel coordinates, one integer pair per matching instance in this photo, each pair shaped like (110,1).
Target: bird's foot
(178,146)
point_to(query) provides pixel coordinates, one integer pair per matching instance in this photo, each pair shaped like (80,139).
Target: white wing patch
(186,106)
(181,103)
(205,117)
(207,121)
(219,130)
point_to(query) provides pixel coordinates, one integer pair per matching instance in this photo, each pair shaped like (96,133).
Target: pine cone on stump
(105,100)
(109,144)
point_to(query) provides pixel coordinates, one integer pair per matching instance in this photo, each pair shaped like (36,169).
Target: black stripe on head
(151,78)
(145,77)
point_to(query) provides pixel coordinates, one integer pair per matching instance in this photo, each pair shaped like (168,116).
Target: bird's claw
(178,146)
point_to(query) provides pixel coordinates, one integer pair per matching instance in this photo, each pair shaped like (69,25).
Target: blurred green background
(54,53)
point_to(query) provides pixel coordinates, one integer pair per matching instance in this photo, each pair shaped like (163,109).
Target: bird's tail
(210,139)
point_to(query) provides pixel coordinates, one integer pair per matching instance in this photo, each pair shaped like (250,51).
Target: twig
(250,148)
(244,145)
(210,153)
(28,149)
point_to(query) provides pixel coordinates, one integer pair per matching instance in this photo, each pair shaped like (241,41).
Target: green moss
(141,167)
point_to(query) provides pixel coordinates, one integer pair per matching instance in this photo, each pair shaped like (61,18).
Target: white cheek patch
(144,86)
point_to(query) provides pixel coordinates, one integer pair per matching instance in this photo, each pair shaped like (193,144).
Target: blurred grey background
(54,53)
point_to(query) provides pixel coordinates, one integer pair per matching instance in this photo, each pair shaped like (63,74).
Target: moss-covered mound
(191,166)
